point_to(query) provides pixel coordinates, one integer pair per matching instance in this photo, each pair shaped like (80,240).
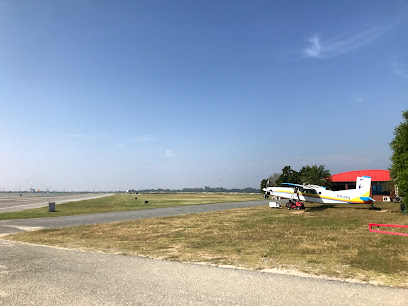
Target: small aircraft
(319,194)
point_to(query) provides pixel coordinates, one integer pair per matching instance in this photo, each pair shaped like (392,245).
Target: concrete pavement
(37,275)
(17,203)
(14,226)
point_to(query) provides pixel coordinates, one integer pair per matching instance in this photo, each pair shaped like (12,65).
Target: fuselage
(318,195)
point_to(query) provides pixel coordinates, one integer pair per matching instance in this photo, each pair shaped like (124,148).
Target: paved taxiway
(37,275)
(17,203)
(13,226)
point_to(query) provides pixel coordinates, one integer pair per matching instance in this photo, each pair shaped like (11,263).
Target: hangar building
(347,180)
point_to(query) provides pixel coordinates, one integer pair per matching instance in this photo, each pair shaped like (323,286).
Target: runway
(37,275)
(20,225)
(15,202)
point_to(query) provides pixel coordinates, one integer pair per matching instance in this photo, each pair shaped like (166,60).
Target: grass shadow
(317,208)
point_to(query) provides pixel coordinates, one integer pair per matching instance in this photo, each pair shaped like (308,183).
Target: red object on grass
(387,225)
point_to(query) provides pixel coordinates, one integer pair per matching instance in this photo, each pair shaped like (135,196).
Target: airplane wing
(315,187)
(304,187)
(294,185)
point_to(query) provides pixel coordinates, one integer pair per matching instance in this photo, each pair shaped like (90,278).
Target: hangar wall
(347,180)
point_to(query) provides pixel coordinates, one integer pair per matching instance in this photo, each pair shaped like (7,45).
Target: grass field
(322,240)
(123,202)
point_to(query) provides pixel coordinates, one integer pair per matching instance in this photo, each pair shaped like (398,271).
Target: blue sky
(111,95)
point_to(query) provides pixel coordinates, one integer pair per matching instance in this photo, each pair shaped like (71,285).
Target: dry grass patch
(323,240)
(125,202)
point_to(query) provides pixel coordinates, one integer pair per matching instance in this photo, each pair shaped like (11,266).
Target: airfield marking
(25,205)
(57,199)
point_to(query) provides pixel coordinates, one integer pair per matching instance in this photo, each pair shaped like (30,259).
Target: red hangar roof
(351,176)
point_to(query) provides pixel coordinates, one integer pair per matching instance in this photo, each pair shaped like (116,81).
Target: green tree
(316,175)
(272,180)
(399,157)
(288,176)
(263,184)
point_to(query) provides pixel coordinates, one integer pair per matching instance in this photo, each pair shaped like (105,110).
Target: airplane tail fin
(363,184)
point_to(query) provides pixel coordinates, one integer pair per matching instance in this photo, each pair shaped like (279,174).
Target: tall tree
(399,157)
(316,175)
(263,184)
(272,179)
(288,176)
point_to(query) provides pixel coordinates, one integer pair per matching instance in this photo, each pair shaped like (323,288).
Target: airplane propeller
(266,191)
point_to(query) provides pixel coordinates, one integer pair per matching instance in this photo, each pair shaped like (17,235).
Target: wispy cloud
(314,50)
(319,48)
(168,153)
(399,69)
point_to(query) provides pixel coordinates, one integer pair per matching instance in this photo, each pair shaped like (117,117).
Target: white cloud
(168,153)
(399,69)
(314,49)
(331,48)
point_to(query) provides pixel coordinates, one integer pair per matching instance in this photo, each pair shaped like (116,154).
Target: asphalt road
(14,226)
(36,275)
(17,203)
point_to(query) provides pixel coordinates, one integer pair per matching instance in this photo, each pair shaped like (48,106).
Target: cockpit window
(309,191)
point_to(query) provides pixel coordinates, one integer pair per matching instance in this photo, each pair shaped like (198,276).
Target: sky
(115,95)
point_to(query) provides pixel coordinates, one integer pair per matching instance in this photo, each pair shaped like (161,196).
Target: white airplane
(319,194)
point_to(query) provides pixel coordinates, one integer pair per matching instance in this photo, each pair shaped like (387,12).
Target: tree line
(196,190)
(314,175)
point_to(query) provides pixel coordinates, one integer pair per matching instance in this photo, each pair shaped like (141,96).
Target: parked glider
(319,194)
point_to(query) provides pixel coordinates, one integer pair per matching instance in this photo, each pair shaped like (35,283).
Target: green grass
(124,202)
(323,240)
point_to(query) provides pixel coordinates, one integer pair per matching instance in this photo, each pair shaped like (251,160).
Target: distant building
(347,180)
